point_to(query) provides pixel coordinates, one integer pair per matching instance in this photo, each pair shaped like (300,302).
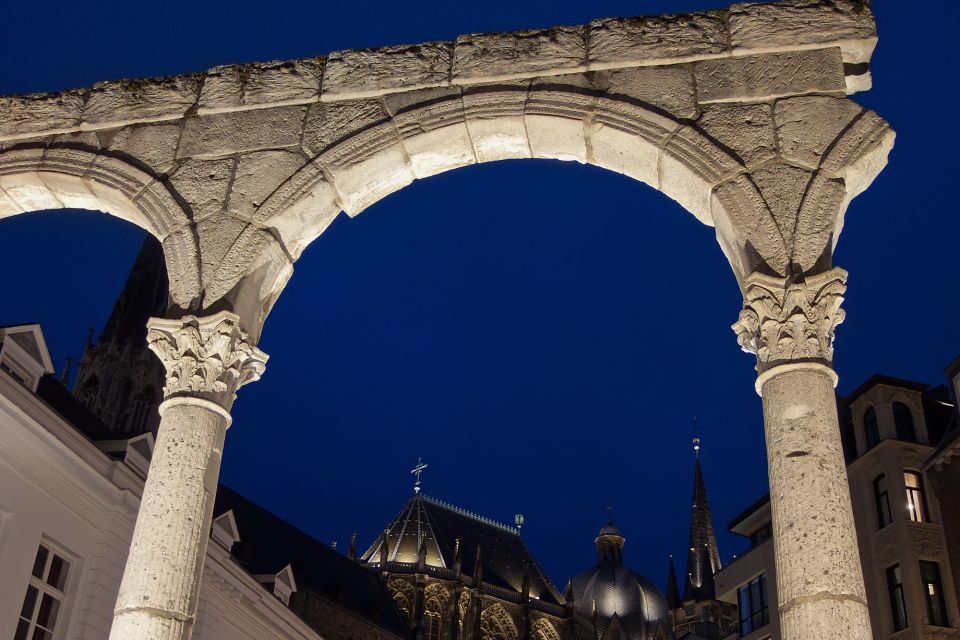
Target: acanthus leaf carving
(205,357)
(791,320)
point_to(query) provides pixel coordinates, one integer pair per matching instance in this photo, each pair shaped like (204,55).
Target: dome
(612,590)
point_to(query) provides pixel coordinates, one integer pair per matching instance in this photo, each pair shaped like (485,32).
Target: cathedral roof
(268,544)
(703,555)
(437,526)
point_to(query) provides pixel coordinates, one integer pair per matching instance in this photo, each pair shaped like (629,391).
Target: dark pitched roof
(877,378)
(504,556)
(268,544)
(62,401)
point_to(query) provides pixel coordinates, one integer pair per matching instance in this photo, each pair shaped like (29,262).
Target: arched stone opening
(38,178)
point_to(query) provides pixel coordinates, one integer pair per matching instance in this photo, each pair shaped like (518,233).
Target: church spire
(673,589)
(118,379)
(703,555)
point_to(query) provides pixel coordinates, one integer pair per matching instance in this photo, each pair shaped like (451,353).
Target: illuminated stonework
(784,321)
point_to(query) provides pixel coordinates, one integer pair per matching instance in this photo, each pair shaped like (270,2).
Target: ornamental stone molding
(207,358)
(741,115)
(787,321)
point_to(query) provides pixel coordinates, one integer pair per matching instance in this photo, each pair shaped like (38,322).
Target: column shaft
(819,577)
(161,582)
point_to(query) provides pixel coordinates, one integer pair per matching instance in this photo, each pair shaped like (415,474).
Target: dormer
(885,408)
(282,584)
(224,530)
(24,355)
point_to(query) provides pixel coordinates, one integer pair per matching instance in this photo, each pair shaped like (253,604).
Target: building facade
(898,439)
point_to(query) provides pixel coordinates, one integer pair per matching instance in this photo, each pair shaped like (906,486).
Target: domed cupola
(614,596)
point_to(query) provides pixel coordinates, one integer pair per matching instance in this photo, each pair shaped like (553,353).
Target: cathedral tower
(119,380)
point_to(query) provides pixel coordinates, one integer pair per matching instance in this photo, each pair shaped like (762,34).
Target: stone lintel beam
(764,35)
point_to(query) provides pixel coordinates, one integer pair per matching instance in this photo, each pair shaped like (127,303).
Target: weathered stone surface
(328,123)
(556,117)
(796,24)
(8,206)
(667,88)
(180,253)
(368,167)
(47,112)
(486,57)
(257,175)
(360,73)
(690,166)
(616,42)
(29,192)
(276,83)
(241,131)
(783,187)
(745,129)
(774,75)
(301,209)
(127,101)
(153,145)
(203,184)
(494,117)
(753,239)
(432,129)
(624,152)
(818,221)
(807,126)
(217,233)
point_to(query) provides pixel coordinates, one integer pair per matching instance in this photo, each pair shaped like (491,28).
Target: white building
(67,509)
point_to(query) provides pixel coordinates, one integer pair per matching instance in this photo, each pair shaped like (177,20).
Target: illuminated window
(752,603)
(45,596)
(933,592)
(883,501)
(916,505)
(898,606)
(431,620)
(903,418)
(871,428)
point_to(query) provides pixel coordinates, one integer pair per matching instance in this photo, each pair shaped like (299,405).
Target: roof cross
(417,470)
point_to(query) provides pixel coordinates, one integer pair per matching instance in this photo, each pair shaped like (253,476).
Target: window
(916,506)
(431,620)
(883,501)
(898,606)
(45,596)
(752,603)
(903,418)
(871,428)
(933,592)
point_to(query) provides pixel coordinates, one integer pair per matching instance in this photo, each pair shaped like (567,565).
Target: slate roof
(504,556)
(268,544)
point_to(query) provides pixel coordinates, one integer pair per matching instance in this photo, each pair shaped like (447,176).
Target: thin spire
(673,589)
(65,374)
(703,555)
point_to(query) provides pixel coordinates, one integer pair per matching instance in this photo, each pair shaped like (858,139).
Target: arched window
(916,502)
(403,596)
(871,428)
(903,418)
(496,624)
(882,499)
(432,616)
(543,630)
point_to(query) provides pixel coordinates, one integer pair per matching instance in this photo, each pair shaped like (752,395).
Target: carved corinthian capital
(787,321)
(208,358)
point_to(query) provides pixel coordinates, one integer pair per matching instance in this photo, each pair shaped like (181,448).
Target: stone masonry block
(154,145)
(127,101)
(39,112)
(808,125)
(328,123)
(360,73)
(746,129)
(280,82)
(795,24)
(620,42)
(752,78)
(668,88)
(257,176)
(500,56)
(494,116)
(241,131)
(203,184)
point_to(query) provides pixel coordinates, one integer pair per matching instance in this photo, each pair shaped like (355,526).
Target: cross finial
(417,470)
(696,435)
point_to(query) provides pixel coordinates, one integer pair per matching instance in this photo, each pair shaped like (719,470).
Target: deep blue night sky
(540,332)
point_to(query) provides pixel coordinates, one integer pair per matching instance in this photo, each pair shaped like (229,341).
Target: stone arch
(777,206)
(542,629)
(436,599)
(34,178)
(497,624)
(403,597)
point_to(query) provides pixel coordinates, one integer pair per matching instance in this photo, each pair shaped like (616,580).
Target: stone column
(789,324)
(206,360)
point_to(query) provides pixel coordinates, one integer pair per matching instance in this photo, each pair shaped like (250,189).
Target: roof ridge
(469,514)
